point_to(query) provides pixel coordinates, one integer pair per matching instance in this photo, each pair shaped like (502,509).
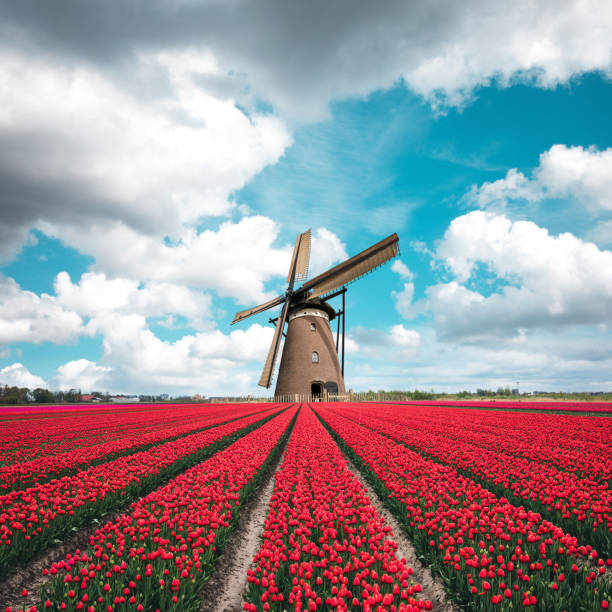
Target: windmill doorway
(316,390)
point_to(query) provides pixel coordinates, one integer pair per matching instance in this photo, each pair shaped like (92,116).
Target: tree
(14,395)
(43,396)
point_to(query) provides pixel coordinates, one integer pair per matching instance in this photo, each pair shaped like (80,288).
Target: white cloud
(151,129)
(207,362)
(515,186)
(582,174)
(403,301)
(122,310)
(404,338)
(17,375)
(601,233)
(95,154)
(251,344)
(399,267)
(397,343)
(95,295)
(236,260)
(28,317)
(543,361)
(350,345)
(300,58)
(549,281)
(326,250)
(585,174)
(539,43)
(80,374)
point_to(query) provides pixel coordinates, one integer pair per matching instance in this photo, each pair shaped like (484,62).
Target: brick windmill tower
(309,363)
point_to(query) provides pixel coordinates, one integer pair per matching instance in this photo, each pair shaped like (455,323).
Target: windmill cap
(314,303)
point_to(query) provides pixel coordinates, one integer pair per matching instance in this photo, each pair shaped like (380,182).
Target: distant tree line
(505,392)
(395,395)
(23,395)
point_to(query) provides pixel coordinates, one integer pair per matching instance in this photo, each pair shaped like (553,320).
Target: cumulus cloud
(582,174)
(326,250)
(28,317)
(544,361)
(400,268)
(134,358)
(404,301)
(236,260)
(97,155)
(80,374)
(206,362)
(150,120)
(404,338)
(17,375)
(442,51)
(396,343)
(121,311)
(601,233)
(95,295)
(77,308)
(251,344)
(548,281)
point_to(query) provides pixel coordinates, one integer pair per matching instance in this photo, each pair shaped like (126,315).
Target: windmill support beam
(339,313)
(333,295)
(343,318)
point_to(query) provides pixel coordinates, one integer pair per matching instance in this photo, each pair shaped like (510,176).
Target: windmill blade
(268,371)
(352,268)
(300,258)
(244,314)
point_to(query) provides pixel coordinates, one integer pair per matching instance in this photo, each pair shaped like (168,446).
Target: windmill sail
(352,268)
(298,270)
(300,258)
(244,314)
(266,375)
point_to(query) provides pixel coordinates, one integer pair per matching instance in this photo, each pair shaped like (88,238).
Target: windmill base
(309,364)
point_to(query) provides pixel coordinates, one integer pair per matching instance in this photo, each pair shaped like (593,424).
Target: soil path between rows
(225,589)
(433,588)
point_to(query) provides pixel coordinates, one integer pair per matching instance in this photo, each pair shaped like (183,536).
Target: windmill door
(316,390)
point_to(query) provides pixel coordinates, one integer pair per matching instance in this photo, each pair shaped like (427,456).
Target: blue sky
(155,178)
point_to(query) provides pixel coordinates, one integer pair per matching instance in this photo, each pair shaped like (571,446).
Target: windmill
(309,364)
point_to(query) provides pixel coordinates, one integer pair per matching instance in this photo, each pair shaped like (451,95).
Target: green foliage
(14,395)
(43,396)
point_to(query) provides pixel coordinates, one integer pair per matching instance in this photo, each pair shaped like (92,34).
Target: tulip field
(508,509)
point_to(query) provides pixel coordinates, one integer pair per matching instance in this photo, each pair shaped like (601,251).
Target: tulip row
(522,405)
(587,452)
(25,436)
(92,452)
(582,506)
(32,519)
(159,555)
(52,431)
(324,545)
(488,551)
